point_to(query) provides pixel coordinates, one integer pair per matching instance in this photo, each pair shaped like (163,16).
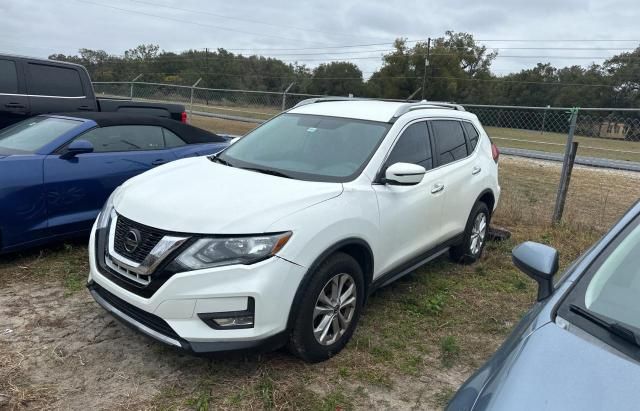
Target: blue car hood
(555,369)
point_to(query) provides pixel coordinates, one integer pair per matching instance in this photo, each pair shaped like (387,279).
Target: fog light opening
(231,320)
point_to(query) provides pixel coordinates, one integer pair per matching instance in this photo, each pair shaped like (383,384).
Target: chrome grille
(150,237)
(125,272)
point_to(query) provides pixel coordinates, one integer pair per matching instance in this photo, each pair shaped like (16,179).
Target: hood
(554,369)
(196,195)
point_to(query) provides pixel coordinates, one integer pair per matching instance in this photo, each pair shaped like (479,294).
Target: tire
(339,271)
(469,252)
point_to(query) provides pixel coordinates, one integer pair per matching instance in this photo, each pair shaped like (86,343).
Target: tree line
(458,69)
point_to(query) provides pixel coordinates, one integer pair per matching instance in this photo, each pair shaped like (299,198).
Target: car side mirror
(539,262)
(77,147)
(403,174)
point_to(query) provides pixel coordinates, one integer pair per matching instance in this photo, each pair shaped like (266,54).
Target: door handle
(14,105)
(84,108)
(158,162)
(476,170)
(437,188)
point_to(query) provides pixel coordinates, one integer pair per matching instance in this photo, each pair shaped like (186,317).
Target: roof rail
(424,104)
(327,100)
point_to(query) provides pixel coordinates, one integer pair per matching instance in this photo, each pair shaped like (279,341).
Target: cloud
(43,27)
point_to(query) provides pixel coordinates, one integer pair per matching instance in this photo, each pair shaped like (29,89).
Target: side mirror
(539,262)
(404,174)
(77,147)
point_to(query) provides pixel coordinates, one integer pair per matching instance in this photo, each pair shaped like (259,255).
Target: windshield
(614,289)
(27,136)
(309,147)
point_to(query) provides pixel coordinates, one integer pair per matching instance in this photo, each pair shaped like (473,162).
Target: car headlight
(215,252)
(105,214)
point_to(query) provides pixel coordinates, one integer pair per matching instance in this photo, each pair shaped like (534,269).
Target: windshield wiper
(267,171)
(217,159)
(614,328)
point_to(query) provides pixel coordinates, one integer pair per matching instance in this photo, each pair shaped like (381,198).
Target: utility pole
(426,63)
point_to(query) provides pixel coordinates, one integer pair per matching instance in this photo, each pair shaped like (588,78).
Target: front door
(77,187)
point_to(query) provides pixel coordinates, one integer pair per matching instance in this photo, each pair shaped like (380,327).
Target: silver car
(578,348)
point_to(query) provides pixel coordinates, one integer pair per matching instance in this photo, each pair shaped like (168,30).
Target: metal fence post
(284,96)
(132,82)
(567,165)
(191,102)
(544,118)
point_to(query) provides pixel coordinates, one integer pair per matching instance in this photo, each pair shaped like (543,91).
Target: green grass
(450,350)
(555,143)
(443,318)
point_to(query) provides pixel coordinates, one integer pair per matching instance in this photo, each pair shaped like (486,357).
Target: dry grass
(418,339)
(223,126)
(555,143)
(596,198)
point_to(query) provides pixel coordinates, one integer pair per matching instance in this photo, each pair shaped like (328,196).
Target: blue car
(56,171)
(578,348)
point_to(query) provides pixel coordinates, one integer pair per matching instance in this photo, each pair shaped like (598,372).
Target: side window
(472,134)
(125,138)
(8,77)
(171,140)
(413,147)
(48,80)
(450,140)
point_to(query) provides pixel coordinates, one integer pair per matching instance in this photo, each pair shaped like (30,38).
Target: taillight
(183,117)
(495,152)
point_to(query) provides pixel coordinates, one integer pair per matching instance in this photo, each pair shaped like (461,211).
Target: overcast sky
(42,27)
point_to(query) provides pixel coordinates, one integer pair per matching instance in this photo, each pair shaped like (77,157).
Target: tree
(455,61)
(624,71)
(337,79)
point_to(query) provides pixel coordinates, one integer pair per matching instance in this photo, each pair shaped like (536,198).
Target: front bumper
(170,315)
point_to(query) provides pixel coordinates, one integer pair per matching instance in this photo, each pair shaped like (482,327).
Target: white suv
(280,238)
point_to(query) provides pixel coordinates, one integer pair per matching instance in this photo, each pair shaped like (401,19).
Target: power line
(312,78)
(557,40)
(424,40)
(188,21)
(280,26)
(286,60)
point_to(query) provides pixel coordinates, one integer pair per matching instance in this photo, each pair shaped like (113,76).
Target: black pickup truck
(30,86)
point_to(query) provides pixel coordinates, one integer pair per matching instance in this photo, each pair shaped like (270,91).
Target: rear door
(410,215)
(452,153)
(77,188)
(14,105)
(57,88)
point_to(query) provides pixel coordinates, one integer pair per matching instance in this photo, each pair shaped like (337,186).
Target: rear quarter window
(47,80)
(472,134)
(450,141)
(8,77)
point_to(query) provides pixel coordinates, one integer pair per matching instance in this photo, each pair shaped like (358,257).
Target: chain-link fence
(595,197)
(243,105)
(602,133)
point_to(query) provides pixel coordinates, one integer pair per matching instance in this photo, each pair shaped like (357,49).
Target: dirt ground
(418,339)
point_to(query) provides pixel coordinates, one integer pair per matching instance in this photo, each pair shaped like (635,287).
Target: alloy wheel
(334,309)
(478,233)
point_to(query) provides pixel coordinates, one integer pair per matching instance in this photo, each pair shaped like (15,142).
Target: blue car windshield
(309,147)
(614,289)
(28,136)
